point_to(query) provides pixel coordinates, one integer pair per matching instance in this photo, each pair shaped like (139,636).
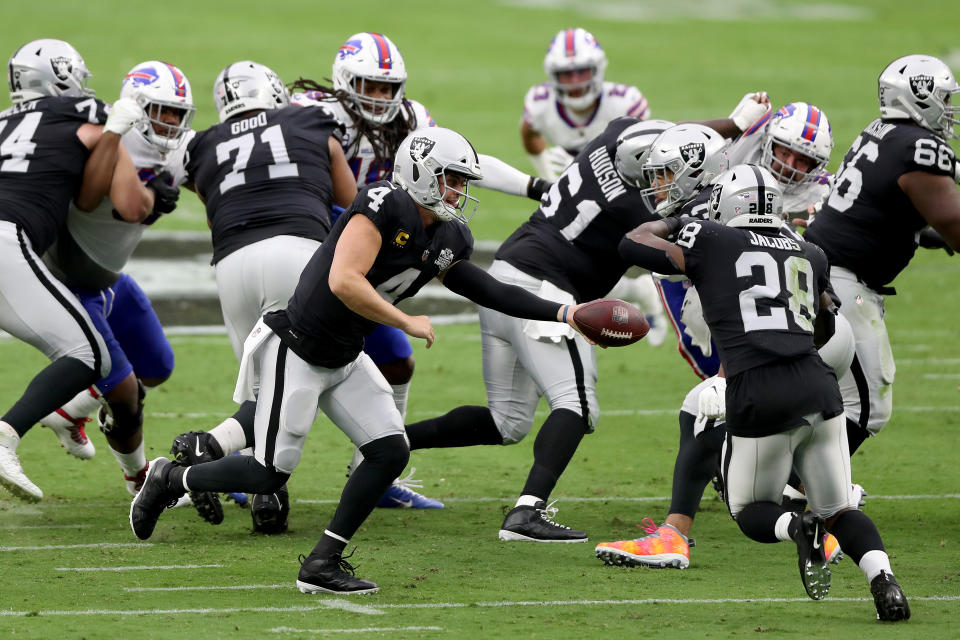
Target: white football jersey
(103,236)
(563,128)
(360,156)
(748,148)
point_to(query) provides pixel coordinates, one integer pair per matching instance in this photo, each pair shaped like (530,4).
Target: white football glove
(124,114)
(551,162)
(712,402)
(752,107)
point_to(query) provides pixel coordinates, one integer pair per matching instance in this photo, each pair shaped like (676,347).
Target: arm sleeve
(472,282)
(500,176)
(647,257)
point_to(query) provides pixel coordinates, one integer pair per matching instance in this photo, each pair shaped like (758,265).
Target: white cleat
(72,433)
(11,473)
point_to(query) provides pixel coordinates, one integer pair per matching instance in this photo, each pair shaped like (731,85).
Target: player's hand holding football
(565,314)
(419,327)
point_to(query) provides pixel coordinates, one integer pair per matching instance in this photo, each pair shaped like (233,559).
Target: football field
(71,567)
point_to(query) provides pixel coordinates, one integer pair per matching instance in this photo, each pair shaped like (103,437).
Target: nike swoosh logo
(816,542)
(199,451)
(407,503)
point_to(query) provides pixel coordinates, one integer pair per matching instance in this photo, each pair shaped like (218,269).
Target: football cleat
(332,574)
(71,432)
(400,495)
(241,499)
(154,497)
(270,511)
(197,447)
(888,598)
(814,572)
(664,547)
(831,549)
(535,524)
(135,483)
(11,473)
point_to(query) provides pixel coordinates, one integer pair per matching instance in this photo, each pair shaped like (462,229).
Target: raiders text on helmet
(246,86)
(920,88)
(747,195)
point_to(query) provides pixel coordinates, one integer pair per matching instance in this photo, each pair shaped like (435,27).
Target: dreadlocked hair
(385,138)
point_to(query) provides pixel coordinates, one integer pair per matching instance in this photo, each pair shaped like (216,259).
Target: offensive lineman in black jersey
(53,151)
(761,292)
(393,239)
(898,177)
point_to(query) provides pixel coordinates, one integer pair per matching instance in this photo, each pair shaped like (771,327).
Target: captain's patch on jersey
(401,238)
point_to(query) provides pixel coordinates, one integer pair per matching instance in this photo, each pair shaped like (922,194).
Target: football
(611,322)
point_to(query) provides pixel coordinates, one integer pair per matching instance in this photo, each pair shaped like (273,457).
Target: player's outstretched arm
(475,284)
(355,254)
(938,201)
(500,176)
(647,247)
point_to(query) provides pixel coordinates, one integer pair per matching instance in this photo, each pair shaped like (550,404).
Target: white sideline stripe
(46,526)
(162,567)
(363,630)
(211,587)
(941,376)
(91,545)
(337,603)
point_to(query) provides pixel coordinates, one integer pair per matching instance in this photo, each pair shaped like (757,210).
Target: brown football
(611,322)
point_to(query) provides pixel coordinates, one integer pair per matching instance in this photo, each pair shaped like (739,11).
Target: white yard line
(162,567)
(211,587)
(92,545)
(46,526)
(362,630)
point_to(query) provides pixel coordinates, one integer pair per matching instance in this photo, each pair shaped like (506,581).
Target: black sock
(49,390)
(695,466)
(230,473)
(856,435)
(462,427)
(856,534)
(245,415)
(328,546)
(555,445)
(383,460)
(758,521)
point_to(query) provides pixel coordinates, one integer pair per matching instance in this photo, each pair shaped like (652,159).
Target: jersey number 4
(243,145)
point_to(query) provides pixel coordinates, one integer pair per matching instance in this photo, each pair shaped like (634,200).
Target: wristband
(566,308)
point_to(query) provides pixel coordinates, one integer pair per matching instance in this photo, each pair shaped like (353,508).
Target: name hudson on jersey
(774,242)
(606,175)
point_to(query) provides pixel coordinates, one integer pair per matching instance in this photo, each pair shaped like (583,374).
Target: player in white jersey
(90,257)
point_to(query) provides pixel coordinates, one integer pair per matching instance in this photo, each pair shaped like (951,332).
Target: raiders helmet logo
(62,67)
(715,197)
(693,154)
(420,148)
(921,86)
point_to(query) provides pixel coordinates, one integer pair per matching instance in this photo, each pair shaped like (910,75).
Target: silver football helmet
(47,68)
(574,49)
(680,161)
(162,90)
(920,88)
(803,129)
(747,195)
(370,57)
(246,86)
(423,159)
(632,145)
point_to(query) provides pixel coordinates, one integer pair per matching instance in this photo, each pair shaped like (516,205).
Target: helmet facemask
(159,131)
(370,57)
(782,171)
(575,50)
(446,211)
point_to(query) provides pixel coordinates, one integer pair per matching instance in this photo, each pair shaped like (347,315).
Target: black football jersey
(760,291)
(42,162)
(571,240)
(265,175)
(320,328)
(868,224)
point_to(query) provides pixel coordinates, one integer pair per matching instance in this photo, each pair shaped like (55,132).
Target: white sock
(782,528)
(183,479)
(527,501)
(873,562)
(401,393)
(229,435)
(133,462)
(79,406)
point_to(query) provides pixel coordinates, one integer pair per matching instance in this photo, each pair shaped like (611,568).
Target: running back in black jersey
(316,324)
(571,240)
(760,292)
(264,175)
(42,162)
(868,224)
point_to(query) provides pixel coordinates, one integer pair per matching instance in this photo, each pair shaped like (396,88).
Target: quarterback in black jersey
(761,291)
(897,178)
(53,150)
(393,239)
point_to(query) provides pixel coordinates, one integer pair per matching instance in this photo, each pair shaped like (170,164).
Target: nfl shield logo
(620,314)
(693,154)
(921,86)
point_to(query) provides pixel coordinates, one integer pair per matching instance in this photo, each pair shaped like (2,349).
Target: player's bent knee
(390,452)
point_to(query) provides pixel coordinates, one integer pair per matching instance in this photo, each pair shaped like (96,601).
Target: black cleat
(889,599)
(814,572)
(197,447)
(332,574)
(535,524)
(154,497)
(270,511)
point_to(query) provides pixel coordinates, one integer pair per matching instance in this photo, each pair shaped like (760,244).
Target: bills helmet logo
(350,48)
(420,148)
(693,154)
(142,77)
(62,67)
(921,86)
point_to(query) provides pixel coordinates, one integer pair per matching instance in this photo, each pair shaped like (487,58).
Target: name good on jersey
(317,325)
(42,162)
(559,126)
(360,155)
(868,224)
(571,240)
(265,175)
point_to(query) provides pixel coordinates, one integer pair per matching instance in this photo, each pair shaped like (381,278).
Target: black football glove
(165,195)
(930,239)
(536,187)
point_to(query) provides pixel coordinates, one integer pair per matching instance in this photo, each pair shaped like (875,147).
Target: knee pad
(513,430)
(390,452)
(299,411)
(838,351)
